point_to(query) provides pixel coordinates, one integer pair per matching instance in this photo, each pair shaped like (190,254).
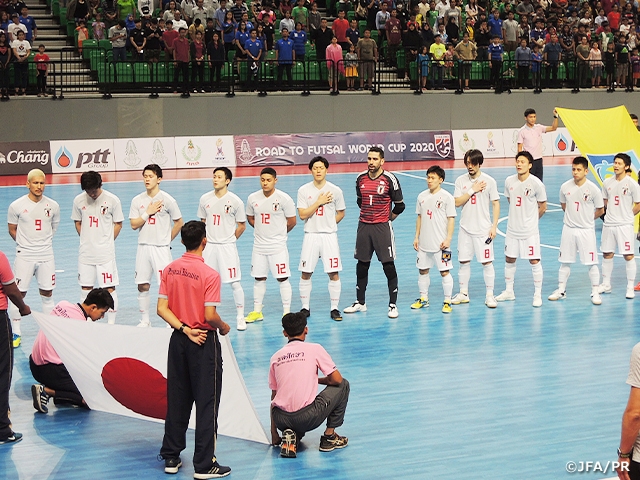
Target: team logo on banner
(131,157)
(157,154)
(220,156)
(191,153)
(562,145)
(245,151)
(443,145)
(466,143)
(64,158)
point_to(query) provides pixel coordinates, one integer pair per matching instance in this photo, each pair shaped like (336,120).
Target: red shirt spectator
(393,27)
(181,49)
(168,38)
(340,26)
(614,19)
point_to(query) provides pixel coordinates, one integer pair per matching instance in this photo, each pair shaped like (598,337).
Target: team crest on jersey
(527,192)
(439,204)
(625,190)
(276,207)
(586,197)
(47,212)
(381,188)
(227,209)
(443,145)
(103,210)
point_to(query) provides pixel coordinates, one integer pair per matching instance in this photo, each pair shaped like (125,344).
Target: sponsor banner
(136,153)
(489,142)
(298,149)
(563,144)
(510,136)
(205,152)
(18,158)
(72,156)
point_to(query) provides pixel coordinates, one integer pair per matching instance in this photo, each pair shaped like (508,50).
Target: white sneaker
(490,301)
(459,298)
(356,307)
(506,296)
(557,295)
(144,324)
(241,324)
(537,301)
(393,311)
(630,293)
(595,299)
(604,288)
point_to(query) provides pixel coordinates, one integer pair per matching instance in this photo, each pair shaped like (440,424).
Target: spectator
(285,57)
(287,22)
(437,52)
(315,19)
(472,9)
(83,34)
(381,20)
(170,11)
(195,27)
(595,63)
(109,9)
(209,31)
(5,60)
(411,41)
(367,52)
(254,48)
(219,18)
(217,58)
(29,22)
(322,40)
(610,66)
(495,24)
(351,67)
(21,51)
(373,7)
(441,8)
(340,26)
(178,22)
(524,8)
(567,44)
(168,37)
(453,31)
(5,20)
(118,38)
(423,67)
(403,14)
(510,33)
(582,52)
(300,14)
(523,63)
(614,17)
(229,31)
(126,8)
(552,55)
(335,64)
(78,10)
(186,7)
(242,35)
(41,60)
(393,30)
(536,67)
(622,60)
(482,37)
(634,60)
(466,52)
(199,12)
(15,27)
(245,19)
(449,56)
(496,51)
(426,34)
(153,46)
(600,18)
(198,54)
(98,27)
(538,34)
(138,41)
(284,7)
(299,38)
(237,10)
(181,49)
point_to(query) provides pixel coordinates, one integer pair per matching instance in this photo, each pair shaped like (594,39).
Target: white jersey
(37,223)
(98,217)
(581,203)
(435,211)
(475,217)
(221,216)
(620,196)
(324,218)
(270,215)
(157,229)
(523,205)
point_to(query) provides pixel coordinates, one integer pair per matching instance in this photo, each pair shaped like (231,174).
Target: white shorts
(527,248)
(24,270)
(151,259)
(427,260)
(320,245)
(224,259)
(277,263)
(620,235)
(469,246)
(105,275)
(581,240)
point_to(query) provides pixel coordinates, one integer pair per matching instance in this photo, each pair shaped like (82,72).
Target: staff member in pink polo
(530,138)
(189,294)
(8,289)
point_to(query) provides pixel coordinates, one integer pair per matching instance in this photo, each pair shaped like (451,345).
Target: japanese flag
(122,369)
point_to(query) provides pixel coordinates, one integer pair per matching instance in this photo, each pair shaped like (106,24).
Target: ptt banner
(563,143)
(73,156)
(350,147)
(18,158)
(136,153)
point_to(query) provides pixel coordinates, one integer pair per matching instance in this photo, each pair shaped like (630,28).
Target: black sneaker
(171,465)
(306,312)
(216,471)
(15,437)
(40,398)
(289,443)
(330,443)
(336,315)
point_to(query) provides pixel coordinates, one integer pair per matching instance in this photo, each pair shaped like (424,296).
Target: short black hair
(122,23)
(90,180)
(100,297)
(153,168)
(529,111)
(324,161)
(438,170)
(227,173)
(581,161)
(526,155)
(473,157)
(633,116)
(294,323)
(269,171)
(626,159)
(377,149)
(192,234)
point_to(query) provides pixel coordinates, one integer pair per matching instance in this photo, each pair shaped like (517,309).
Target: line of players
(97,213)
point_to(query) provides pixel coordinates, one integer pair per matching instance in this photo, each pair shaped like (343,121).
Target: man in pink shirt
(530,138)
(189,294)
(296,405)
(45,364)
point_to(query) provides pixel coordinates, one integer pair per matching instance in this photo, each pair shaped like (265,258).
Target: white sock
(259,289)
(423,285)
(489,274)
(144,303)
(304,288)
(509,275)
(15,326)
(631,272)
(463,277)
(335,288)
(607,268)
(14,313)
(536,269)
(84,293)
(285,294)
(47,304)
(447,287)
(563,276)
(111,314)
(238,298)
(594,276)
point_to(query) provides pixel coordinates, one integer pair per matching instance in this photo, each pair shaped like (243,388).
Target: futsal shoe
(40,398)
(171,465)
(630,293)
(336,315)
(144,324)
(328,443)
(241,324)
(17,339)
(356,307)
(393,311)
(506,296)
(216,471)
(595,299)
(537,300)
(289,443)
(637,287)
(420,303)
(459,298)
(490,301)
(446,307)
(604,288)
(254,317)
(15,437)
(557,295)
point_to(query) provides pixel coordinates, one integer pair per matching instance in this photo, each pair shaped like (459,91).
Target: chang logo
(64,158)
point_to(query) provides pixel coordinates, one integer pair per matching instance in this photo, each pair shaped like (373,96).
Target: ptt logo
(95,160)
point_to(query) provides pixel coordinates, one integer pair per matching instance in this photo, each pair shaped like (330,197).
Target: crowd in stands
(529,41)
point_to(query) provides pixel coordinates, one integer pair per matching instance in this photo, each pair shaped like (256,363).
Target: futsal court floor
(511,392)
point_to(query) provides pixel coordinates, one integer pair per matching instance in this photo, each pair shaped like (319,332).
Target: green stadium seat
(105,45)
(159,72)
(351,15)
(124,72)
(96,57)
(413,71)
(33,73)
(105,73)
(71,29)
(55,8)
(141,72)
(400,59)
(362,26)
(231,55)
(298,72)
(313,71)
(88,47)
(271,55)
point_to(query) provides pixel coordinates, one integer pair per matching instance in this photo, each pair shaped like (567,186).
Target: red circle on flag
(137,386)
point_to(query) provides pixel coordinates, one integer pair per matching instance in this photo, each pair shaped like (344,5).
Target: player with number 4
(272,214)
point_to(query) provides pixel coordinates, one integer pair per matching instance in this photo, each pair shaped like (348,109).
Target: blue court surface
(513,392)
